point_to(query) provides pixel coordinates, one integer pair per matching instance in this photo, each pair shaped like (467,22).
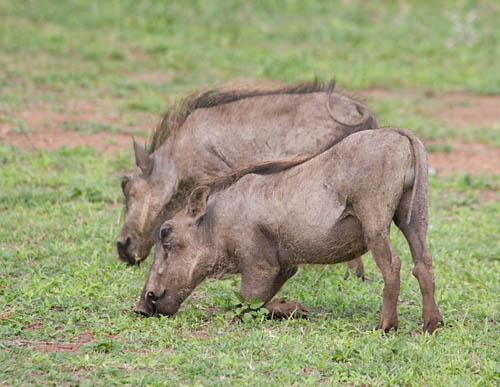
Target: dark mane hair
(177,113)
(264,168)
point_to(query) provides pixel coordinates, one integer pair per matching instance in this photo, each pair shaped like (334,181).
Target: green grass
(90,127)
(94,49)
(61,211)
(417,111)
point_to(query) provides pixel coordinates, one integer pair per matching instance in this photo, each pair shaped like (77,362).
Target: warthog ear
(142,159)
(197,202)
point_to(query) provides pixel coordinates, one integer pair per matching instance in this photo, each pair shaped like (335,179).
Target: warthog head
(146,191)
(184,260)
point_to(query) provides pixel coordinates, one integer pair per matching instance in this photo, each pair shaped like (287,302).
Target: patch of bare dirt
(74,346)
(49,119)
(6,314)
(471,157)
(377,93)
(153,76)
(464,110)
(42,129)
(35,325)
(55,139)
(53,346)
(46,346)
(458,109)
(489,196)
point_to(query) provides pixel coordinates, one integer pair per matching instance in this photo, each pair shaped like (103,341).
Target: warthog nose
(165,230)
(142,309)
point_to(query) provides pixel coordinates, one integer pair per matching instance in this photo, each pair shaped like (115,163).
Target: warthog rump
(265,220)
(212,133)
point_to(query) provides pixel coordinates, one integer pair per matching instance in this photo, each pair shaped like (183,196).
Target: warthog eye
(167,246)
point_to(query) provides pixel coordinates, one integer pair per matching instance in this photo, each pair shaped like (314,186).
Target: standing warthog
(210,134)
(265,220)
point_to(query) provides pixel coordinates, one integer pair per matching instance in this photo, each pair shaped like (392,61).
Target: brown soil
(54,139)
(464,110)
(489,196)
(471,157)
(44,129)
(74,346)
(52,346)
(6,314)
(458,109)
(35,325)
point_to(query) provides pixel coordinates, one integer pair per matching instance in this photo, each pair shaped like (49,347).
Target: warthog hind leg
(356,266)
(425,276)
(390,265)
(415,233)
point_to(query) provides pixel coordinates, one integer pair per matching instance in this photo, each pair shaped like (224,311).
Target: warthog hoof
(355,266)
(432,322)
(279,308)
(386,324)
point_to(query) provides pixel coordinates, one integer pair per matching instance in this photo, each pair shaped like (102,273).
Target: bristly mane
(176,114)
(264,168)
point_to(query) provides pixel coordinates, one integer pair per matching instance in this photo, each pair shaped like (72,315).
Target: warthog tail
(420,164)
(365,114)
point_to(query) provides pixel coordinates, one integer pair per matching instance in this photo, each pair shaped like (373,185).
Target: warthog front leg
(280,308)
(263,284)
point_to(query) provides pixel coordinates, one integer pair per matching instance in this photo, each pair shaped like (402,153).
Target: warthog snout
(142,309)
(147,307)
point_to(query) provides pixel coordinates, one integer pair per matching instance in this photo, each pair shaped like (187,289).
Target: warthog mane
(175,115)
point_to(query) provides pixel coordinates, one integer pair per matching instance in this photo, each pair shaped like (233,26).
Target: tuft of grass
(66,302)
(439,147)
(93,49)
(416,111)
(60,279)
(90,127)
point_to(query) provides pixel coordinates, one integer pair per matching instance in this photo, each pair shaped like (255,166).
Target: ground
(51,130)
(79,79)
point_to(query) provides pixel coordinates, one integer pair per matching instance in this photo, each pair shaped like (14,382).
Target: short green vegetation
(66,302)
(60,212)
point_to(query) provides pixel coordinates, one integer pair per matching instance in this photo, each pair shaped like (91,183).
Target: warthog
(209,134)
(265,220)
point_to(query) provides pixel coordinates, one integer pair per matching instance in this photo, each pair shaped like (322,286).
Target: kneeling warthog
(210,134)
(265,220)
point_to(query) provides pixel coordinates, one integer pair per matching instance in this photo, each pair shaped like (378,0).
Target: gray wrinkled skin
(213,141)
(330,209)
